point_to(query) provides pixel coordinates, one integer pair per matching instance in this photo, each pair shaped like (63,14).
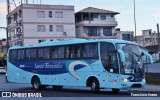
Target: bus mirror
(150,58)
(122,55)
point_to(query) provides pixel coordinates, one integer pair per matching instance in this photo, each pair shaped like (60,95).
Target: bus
(94,63)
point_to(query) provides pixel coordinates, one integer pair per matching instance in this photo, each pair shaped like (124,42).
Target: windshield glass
(133,62)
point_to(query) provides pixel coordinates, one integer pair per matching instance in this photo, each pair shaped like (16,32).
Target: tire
(36,84)
(57,87)
(116,91)
(95,86)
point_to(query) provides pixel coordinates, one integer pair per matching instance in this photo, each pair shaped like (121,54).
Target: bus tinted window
(40,53)
(106,48)
(31,54)
(75,51)
(20,55)
(13,55)
(46,53)
(93,50)
(54,53)
(89,50)
(60,52)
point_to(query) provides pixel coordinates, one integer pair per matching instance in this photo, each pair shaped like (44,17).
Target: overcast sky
(147,11)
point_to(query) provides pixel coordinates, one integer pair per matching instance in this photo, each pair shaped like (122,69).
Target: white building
(125,35)
(95,23)
(149,37)
(29,24)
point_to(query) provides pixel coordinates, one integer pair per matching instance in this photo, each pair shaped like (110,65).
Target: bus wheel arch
(93,82)
(36,83)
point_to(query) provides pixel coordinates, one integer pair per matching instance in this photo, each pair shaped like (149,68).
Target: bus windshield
(133,62)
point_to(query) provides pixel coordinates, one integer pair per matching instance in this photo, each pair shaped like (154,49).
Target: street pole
(8,7)
(135,26)
(158,41)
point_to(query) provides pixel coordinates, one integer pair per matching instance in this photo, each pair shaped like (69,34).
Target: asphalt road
(71,93)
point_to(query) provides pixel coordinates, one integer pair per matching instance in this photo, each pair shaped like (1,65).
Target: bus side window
(46,53)
(54,53)
(31,54)
(60,52)
(75,51)
(20,55)
(85,51)
(40,53)
(93,50)
(13,55)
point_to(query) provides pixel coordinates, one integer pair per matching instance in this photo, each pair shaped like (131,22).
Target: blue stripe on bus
(50,67)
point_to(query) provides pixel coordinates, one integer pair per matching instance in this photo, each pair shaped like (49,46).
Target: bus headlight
(125,80)
(143,80)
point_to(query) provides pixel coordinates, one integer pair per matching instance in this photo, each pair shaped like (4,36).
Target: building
(140,40)
(29,24)
(95,23)
(149,38)
(125,35)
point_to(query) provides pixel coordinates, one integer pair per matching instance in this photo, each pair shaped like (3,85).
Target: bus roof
(74,41)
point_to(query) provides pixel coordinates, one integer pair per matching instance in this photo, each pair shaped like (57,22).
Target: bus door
(113,68)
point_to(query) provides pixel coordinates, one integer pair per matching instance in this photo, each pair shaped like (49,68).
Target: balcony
(97,23)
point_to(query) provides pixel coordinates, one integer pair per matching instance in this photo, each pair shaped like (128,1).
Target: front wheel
(36,84)
(95,86)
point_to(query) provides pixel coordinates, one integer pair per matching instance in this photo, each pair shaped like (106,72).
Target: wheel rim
(93,86)
(36,84)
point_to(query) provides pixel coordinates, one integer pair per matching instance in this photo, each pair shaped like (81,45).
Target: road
(71,92)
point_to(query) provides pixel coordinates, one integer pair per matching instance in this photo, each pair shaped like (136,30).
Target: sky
(147,12)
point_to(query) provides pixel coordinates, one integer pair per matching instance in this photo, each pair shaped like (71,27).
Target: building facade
(95,23)
(125,35)
(149,37)
(29,24)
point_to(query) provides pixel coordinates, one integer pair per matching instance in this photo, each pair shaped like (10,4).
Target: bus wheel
(57,87)
(115,91)
(36,84)
(95,86)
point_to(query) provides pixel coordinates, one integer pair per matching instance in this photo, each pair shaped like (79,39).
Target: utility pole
(135,26)
(158,37)
(8,7)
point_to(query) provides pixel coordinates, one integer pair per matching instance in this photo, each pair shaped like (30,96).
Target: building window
(107,31)
(95,16)
(103,17)
(50,14)
(9,20)
(91,31)
(15,17)
(59,14)
(41,28)
(20,14)
(59,28)
(112,16)
(50,28)
(40,14)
